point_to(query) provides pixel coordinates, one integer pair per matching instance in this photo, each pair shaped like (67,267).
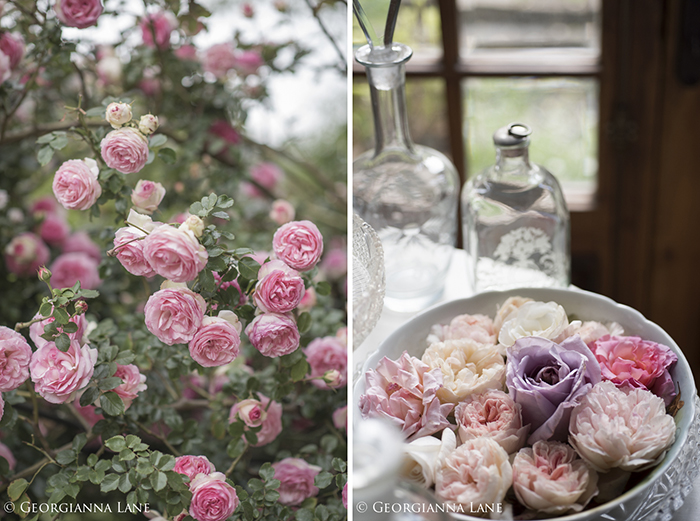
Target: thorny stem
(22,325)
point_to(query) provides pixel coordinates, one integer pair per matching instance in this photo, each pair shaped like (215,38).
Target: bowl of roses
(539,403)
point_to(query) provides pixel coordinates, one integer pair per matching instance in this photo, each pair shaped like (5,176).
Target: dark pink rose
(279,288)
(160,25)
(273,334)
(125,150)
(222,129)
(25,254)
(192,466)
(212,498)
(248,11)
(296,478)
(44,205)
(12,44)
(15,355)
(299,244)
(78,13)
(54,229)
(69,268)
(80,242)
(324,355)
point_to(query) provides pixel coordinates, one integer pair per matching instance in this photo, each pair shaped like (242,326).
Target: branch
(40,130)
(314,10)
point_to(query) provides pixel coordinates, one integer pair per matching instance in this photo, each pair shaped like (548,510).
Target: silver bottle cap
(513,135)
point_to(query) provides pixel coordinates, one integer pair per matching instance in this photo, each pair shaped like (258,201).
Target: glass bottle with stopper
(515,220)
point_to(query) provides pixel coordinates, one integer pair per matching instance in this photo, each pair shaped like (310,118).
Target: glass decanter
(515,220)
(408,193)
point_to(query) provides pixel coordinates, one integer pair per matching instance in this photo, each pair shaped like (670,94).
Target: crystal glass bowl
(664,489)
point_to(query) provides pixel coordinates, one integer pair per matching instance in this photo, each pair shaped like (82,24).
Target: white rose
(118,114)
(148,124)
(543,319)
(144,222)
(423,455)
(193,224)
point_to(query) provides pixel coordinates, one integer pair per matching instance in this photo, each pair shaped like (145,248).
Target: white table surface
(457,286)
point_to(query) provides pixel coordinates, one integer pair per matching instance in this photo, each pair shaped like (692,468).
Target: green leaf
(158,140)
(323,479)
(255,484)
(236,448)
(339,465)
(158,480)
(44,155)
(95,111)
(168,155)
(236,429)
(107,384)
(63,342)
(89,396)
(79,442)
(17,488)
(46,309)
(103,465)
(132,441)
(167,462)
(248,268)
(323,288)
(66,457)
(222,215)
(267,472)
(92,459)
(126,455)
(304,322)
(304,514)
(224,202)
(300,370)
(112,404)
(124,484)
(70,328)
(111,482)
(196,208)
(46,138)
(89,293)
(60,141)
(116,444)
(144,467)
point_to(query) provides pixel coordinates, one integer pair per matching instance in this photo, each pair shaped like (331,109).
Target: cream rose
(543,319)
(423,455)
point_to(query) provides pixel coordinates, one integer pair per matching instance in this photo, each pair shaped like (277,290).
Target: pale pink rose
(37,329)
(134,383)
(128,243)
(148,124)
(160,25)
(279,288)
(219,59)
(118,114)
(405,393)
(12,45)
(551,478)
(147,195)
(342,335)
(54,229)
(252,412)
(192,466)
(15,355)
(78,13)
(495,415)
(475,473)
(475,327)
(58,376)
(296,478)
(259,256)
(174,314)
(69,268)
(590,331)
(248,62)
(212,498)
(25,254)
(327,354)
(299,244)
(6,453)
(5,68)
(281,212)
(125,150)
(179,218)
(217,341)
(340,418)
(309,300)
(637,362)
(621,427)
(335,263)
(272,424)
(174,254)
(186,52)
(80,242)
(273,334)
(266,174)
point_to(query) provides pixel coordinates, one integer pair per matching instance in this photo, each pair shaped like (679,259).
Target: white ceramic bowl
(663,490)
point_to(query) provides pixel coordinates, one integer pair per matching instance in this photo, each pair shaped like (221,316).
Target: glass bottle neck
(512,161)
(387,86)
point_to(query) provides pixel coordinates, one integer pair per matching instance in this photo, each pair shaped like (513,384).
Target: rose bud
(44,274)
(81,306)
(252,412)
(118,114)
(333,378)
(148,124)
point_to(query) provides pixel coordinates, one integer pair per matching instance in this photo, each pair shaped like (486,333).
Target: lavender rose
(125,150)
(548,380)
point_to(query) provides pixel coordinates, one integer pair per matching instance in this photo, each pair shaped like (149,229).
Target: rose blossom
(475,327)
(174,313)
(273,334)
(15,355)
(37,329)
(405,393)
(212,498)
(174,254)
(75,184)
(510,305)
(134,383)
(217,341)
(12,45)
(492,414)
(118,114)
(551,478)
(148,124)
(335,263)
(548,380)
(251,412)
(54,229)
(219,59)
(6,453)
(191,466)
(125,150)
(160,24)
(345,496)
(5,69)
(590,331)
(309,299)
(467,368)
(78,13)
(225,131)
(248,62)
(193,224)
(327,354)
(25,253)
(475,473)
(80,242)
(281,212)
(424,455)
(266,175)
(58,376)
(186,52)
(297,480)
(621,427)
(545,320)
(637,362)
(271,425)
(147,195)
(299,244)
(340,418)
(128,245)
(69,268)
(279,288)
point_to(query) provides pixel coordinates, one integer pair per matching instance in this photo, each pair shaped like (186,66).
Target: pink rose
(58,376)
(78,13)
(474,327)
(44,205)
(273,334)
(219,59)
(128,243)
(217,342)
(134,383)
(87,412)
(340,418)
(251,412)
(637,362)
(160,25)
(225,131)
(212,498)
(309,300)
(69,268)
(186,52)
(192,466)
(174,254)
(335,263)
(174,314)
(495,415)
(248,62)
(327,354)
(296,478)
(54,229)
(282,212)
(125,150)
(271,425)
(80,242)
(37,329)
(15,355)
(6,453)
(299,244)
(279,288)
(345,496)
(12,45)
(5,68)
(25,254)
(248,11)
(405,393)
(147,196)
(266,174)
